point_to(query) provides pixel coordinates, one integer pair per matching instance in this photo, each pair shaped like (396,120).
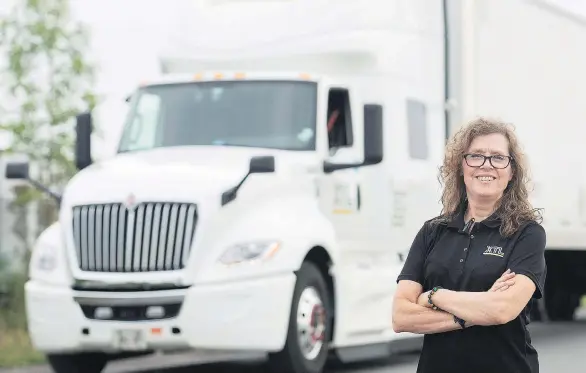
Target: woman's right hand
(504,282)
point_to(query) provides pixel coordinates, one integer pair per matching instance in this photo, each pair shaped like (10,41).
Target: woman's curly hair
(514,207)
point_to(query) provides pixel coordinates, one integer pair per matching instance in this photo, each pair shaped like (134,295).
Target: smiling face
(487,181)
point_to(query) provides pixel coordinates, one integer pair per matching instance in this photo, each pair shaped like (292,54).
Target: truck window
(265,114)
(143,130)
(417,128)
(339,119)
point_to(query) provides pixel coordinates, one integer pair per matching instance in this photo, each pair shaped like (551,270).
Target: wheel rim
(311,323)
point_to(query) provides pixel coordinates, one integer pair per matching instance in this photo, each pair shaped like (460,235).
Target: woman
(472,271)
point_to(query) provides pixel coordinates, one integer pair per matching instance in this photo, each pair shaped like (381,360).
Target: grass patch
(16,349)
(15,345)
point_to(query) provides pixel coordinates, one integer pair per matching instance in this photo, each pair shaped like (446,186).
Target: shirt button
(465,248)
(472,236)
(461,260)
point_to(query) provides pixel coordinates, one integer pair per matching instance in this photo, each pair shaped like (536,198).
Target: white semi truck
(267,189)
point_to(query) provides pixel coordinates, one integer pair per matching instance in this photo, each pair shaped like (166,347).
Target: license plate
(130,340)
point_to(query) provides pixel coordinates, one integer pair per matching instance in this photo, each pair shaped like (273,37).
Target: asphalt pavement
(560,346)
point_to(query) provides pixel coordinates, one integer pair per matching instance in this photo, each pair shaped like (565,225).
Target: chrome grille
(154,236)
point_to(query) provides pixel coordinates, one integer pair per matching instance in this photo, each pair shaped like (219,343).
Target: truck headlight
(46,258)
(48,262)
(48,265)
(249,251)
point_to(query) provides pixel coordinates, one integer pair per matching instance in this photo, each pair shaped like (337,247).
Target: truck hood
(172,174)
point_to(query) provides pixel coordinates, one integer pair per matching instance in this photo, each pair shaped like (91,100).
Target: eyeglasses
(496,161)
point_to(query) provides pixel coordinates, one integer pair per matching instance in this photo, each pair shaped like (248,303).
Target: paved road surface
(561,347)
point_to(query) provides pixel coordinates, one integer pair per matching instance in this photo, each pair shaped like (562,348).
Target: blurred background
(62,57)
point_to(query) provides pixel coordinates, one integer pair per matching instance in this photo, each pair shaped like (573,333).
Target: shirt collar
(457,221)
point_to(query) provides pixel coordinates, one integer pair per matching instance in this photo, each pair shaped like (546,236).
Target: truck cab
(227,195)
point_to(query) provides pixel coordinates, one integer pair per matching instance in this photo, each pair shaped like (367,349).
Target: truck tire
(307,345)
(78,363)
(561,305)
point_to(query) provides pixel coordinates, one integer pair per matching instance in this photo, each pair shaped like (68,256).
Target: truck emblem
(130,202)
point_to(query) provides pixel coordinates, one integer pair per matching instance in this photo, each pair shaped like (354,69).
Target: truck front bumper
(248,315)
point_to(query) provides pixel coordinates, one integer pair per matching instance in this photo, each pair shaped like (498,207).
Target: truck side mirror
(21,171)
(83,151)
(373,140)
(258,165)
(262,164)
(17,170)
(373,134)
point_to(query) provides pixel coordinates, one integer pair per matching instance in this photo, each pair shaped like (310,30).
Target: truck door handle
(358,197)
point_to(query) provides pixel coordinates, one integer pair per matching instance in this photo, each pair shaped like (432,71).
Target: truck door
(362,306)
(340,190)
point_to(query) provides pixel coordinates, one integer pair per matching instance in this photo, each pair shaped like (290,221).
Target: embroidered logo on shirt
(494,250)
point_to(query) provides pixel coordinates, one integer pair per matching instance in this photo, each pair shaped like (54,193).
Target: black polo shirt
(457,258)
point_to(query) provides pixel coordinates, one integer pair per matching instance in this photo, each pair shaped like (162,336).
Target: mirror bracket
(258,165)
(20,171)
(373,143)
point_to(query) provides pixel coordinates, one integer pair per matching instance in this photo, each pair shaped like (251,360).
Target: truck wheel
(307,345)
(561,305)
(78,363)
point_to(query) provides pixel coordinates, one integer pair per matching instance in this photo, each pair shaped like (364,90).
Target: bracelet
(431,293)
(458,320)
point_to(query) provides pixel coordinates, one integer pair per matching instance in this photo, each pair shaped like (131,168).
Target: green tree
(47,80)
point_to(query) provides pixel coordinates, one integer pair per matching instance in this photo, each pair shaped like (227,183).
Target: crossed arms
(500,304)
(503,302)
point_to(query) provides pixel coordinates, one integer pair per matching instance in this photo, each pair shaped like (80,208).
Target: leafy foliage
(48,80)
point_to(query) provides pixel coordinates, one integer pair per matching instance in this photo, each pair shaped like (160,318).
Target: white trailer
(232,220)
(521,61)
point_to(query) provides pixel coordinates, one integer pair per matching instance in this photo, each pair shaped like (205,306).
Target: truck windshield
(266,114)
